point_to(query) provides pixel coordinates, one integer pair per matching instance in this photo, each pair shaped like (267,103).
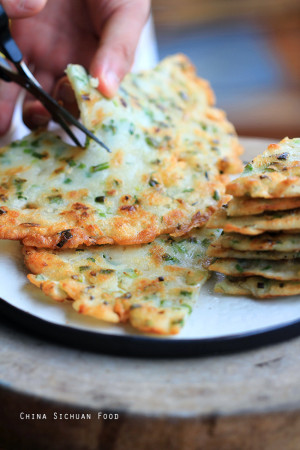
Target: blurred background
(249,50)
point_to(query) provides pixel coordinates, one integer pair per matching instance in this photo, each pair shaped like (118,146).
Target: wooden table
(244,401)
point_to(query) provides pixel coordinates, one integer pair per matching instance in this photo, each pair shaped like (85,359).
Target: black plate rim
(144,346)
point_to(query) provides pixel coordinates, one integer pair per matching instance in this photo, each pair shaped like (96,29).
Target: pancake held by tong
(170,149)
(277,270)
(253,225)
(274,174)
(281,242)
(152,286)
(167,110)
(258,287)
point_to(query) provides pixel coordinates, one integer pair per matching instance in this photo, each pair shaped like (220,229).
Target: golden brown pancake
(274,174)
(152,286)
(170,151)
(258,287)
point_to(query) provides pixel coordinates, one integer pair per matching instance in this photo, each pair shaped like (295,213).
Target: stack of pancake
(259,250)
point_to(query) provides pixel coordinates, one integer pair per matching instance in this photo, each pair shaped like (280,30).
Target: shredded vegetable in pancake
(165,175)
(153,286)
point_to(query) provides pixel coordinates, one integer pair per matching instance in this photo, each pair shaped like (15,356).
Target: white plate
(215,317)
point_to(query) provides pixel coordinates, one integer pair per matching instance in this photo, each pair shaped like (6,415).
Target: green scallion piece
(99,167)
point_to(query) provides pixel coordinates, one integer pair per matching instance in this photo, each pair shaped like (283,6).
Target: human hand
(101,35)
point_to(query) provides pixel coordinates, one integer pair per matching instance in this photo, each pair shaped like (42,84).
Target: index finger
(119,39)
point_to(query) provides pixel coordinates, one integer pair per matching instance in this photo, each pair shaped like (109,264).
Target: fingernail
(30,5)
(111,81)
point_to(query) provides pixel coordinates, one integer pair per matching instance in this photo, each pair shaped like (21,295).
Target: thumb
(19,9)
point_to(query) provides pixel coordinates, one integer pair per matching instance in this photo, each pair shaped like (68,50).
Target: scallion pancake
(280,242)
(244,206)
(170,151)
(274,174)
(277,270)
(152,286)
(216,251)
(253,225)
(258,287)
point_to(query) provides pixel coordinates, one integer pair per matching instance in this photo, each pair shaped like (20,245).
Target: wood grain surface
(244,401)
